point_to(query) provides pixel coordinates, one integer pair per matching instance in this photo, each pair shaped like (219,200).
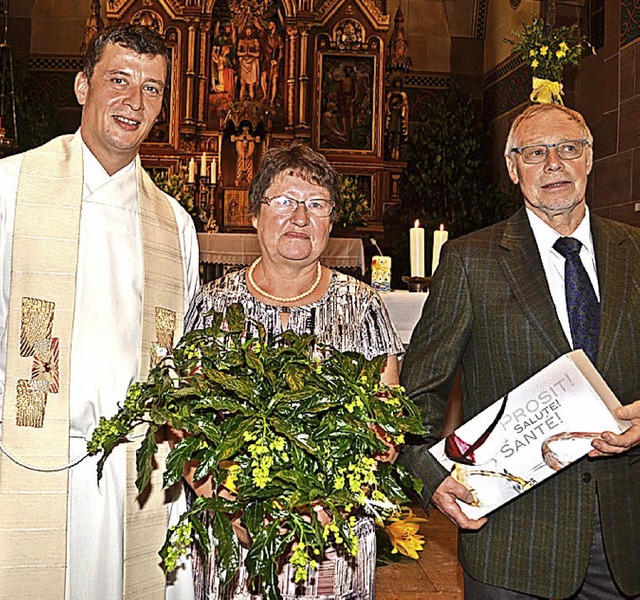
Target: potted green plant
(282,431)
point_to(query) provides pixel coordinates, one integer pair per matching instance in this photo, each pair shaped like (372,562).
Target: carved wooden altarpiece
(250,74)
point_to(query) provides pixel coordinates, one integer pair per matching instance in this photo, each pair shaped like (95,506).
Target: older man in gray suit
(498,309)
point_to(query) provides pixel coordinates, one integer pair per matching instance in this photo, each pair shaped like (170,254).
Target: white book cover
(537,429)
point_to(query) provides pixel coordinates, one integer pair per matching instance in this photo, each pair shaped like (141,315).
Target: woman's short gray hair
(297,160)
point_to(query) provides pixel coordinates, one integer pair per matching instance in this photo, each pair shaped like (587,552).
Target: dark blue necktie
(582,303)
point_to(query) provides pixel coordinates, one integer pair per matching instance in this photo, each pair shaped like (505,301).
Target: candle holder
(203,191)
(417,284)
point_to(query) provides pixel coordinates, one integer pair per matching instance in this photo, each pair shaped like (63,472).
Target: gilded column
(191,49)
(304,78)
(202,73)
(292,34)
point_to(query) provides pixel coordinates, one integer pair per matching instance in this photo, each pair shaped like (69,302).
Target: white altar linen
(405,309)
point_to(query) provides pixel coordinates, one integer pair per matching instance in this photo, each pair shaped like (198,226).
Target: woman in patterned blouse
(295,199)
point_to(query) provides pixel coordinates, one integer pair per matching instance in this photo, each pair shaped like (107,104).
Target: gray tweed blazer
(490,311)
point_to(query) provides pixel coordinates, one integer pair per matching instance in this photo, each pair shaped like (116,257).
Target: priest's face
(120,103)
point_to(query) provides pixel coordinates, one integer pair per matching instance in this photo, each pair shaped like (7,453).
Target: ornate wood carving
(271,70)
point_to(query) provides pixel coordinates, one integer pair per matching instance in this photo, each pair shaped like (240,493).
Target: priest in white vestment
(121,92)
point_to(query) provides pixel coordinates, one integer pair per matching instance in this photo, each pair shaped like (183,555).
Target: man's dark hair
(141,40)
(299,161)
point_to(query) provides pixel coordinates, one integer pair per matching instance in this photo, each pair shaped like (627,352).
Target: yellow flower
(532,52)
(534,63)
(403,534)
(560,54)
(563,47)
(544,50)
(232,476)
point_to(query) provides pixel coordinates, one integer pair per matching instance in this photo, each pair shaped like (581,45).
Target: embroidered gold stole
(35,429)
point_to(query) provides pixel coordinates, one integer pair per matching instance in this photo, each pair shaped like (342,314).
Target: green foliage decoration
(36,112)
(355,207)
(284,432)
(446,179)
(175,184)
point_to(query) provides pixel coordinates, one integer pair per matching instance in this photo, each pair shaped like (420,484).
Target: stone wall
(608,94)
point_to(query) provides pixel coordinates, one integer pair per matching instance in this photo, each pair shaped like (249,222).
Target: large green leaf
(261,560)
(240,385)
(235,318)
(254,361)
(144,458)
(178,457)
(227,546)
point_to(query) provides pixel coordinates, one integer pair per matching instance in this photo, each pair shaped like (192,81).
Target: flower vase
(546,91)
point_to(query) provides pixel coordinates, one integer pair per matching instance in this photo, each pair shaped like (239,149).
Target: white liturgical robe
(104,361)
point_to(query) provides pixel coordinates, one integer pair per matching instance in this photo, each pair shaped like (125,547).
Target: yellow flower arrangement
(548,50)
(269,424)
(553,48)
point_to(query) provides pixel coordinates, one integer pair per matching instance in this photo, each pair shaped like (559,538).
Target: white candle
(416,250)
(214,174)
(203,165)
(192,171)
(440,236)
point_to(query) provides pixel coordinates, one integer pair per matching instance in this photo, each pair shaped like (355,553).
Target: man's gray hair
(536,109)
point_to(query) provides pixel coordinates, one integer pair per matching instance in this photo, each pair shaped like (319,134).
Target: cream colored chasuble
(111,301)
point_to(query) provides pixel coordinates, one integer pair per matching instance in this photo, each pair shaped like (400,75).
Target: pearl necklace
(266,294)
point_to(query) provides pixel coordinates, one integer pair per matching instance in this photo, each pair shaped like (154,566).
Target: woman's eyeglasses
(284,205)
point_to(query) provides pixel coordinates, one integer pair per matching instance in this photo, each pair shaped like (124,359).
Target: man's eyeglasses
(569,150)
(284,205)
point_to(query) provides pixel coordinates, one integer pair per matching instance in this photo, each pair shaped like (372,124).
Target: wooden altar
(251,74)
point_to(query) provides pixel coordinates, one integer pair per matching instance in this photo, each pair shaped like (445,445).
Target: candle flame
(441,226)
(417,223)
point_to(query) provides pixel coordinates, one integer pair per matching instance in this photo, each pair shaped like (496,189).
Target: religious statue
(150,19)
(245,146)
(347,96)
(398,58)
(249,59)
(349,34)
(396,119)
(271,54)
(223,60)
